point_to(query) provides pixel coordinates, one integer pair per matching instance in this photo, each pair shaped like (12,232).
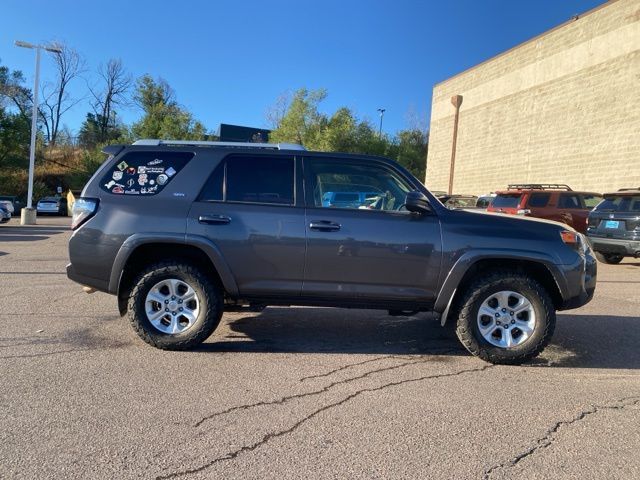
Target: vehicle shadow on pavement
(30,233)
(329,330)
(580,341)
(595,341)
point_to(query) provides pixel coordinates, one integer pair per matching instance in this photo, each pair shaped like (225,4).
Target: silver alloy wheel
(172,306)
(506,319)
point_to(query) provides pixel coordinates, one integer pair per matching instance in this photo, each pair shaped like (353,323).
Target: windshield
(506,201)
(620,203)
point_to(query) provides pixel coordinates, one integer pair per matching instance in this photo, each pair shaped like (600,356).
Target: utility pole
(381,111)
(28,215)
(456,101)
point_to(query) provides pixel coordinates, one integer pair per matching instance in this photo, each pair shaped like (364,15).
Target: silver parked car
(5,214)
(52,206)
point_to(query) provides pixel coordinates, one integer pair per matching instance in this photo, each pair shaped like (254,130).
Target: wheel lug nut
(180,301)
(181,308)
(504,310)
(506,325)
(173,313)
(166,302)
(166,309)
(173,297)
(512,322)
(511,313)
(497,315)
(498,323)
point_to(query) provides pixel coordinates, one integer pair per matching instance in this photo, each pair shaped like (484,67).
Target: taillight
(83,210)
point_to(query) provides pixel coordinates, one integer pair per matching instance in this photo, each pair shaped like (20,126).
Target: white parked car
(52,206)
(8,206)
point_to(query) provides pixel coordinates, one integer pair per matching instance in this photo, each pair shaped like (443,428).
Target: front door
(371,249)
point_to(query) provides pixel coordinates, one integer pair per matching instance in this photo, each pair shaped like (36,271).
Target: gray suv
(182,231)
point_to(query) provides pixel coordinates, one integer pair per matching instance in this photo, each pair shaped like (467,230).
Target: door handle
(325,226)
(214,219)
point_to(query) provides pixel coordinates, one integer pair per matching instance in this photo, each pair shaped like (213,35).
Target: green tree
(162,117)
(299,120)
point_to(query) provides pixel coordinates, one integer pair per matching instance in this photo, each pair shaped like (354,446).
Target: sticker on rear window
(144,173)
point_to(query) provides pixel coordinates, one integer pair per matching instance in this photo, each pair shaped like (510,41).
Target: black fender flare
(468,259)
(207,246)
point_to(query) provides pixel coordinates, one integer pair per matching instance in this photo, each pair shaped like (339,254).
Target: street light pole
(28,215)
(381,111)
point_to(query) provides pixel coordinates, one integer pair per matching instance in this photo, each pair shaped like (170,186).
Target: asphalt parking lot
(303,392)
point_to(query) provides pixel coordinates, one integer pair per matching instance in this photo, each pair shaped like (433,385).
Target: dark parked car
(549,201)
(614,226)
(182,231)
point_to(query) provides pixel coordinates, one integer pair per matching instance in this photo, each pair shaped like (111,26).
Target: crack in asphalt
(549,438)
(286,399)
(272,435)
(344,367)
(371,360)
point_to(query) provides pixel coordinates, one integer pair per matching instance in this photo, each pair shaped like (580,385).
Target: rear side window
(252,179)
(506,201)
(569,200)
(591,201)
(144,173)
(539,200)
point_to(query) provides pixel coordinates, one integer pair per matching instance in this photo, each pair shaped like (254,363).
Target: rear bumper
(98,284)
(616,246)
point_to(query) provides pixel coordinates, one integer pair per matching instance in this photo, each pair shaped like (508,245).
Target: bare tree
(56,98)
(276,112)
(115,84)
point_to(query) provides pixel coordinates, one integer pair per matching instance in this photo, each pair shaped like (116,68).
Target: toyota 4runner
(182,231)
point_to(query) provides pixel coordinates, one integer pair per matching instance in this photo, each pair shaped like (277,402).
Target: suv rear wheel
(174,306)
(505,317)
(610,258)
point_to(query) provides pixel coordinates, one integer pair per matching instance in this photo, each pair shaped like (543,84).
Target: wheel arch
(141,249)
(466,269)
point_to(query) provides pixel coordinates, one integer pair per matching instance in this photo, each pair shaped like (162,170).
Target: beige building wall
(561,108)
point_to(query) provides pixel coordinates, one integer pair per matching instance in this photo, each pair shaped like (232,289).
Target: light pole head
(53,49)
(382,110)
(20,43)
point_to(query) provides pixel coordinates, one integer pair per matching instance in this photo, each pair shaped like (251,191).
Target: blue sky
(228,61)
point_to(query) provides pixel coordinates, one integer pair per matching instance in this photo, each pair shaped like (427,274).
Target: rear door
(374,252)
(571,211)
(248,210)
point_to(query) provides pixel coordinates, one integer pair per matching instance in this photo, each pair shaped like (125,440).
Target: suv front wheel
(505,317)
(174,306)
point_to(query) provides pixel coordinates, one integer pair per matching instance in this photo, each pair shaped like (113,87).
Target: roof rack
(628,189)
(152,142)
(539,186)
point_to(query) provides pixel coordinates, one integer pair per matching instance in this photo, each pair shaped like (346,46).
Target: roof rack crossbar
(539,186)
(152,142)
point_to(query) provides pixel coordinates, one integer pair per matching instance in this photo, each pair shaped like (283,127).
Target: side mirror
(417,202)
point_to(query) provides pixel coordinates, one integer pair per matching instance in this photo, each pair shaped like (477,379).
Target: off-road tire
(465,312)
(610,258)
(209,294)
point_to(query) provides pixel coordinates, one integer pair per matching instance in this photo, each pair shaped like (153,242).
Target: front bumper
(629,248)
(581,281)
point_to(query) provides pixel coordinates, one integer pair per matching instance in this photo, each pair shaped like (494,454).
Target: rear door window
(539,200)
(252,179)
(569,201)
(144,173)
